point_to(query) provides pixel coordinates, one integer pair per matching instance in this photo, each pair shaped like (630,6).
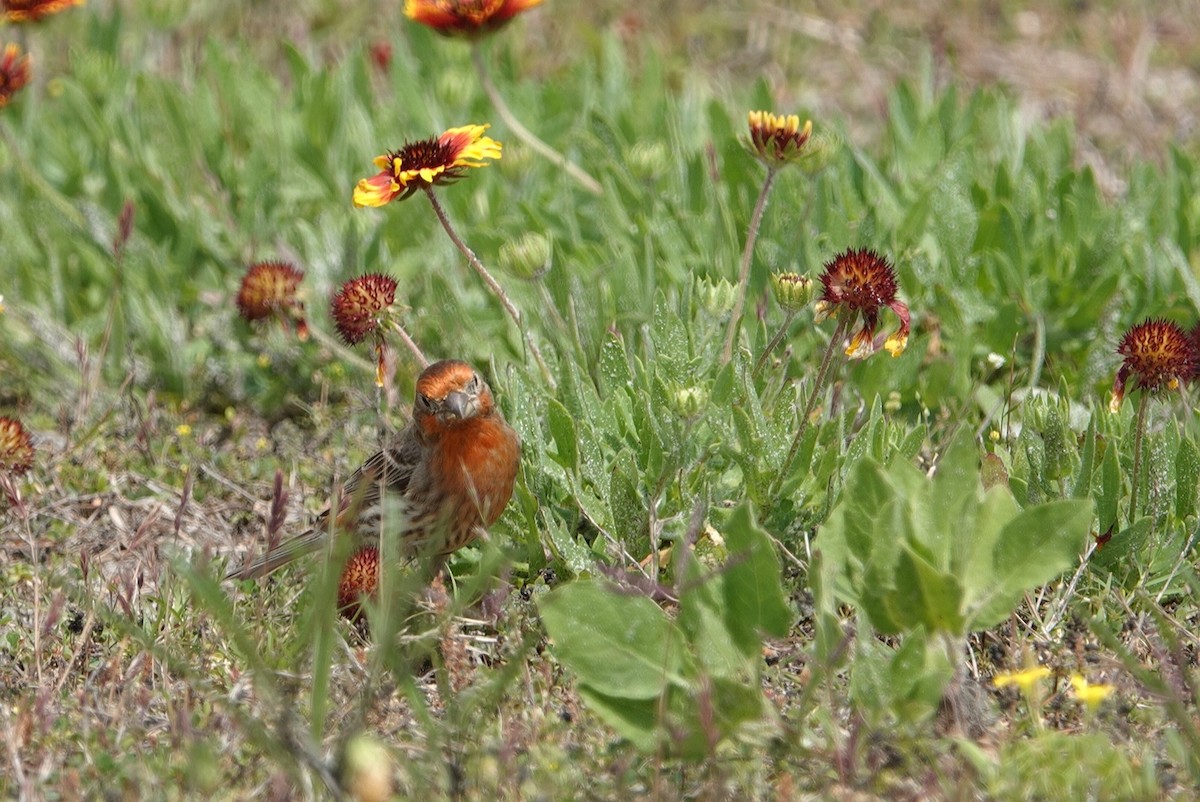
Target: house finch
(450,473)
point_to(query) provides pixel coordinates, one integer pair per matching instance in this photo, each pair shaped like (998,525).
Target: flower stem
(747,257)
(492,285)
(524,134)
(762,359)
(412,346)
(1139,432)
(835,344)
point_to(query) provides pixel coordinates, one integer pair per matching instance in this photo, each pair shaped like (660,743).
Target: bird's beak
(461,405)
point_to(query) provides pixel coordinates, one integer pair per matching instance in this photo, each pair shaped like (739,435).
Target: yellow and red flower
(778,140)
(16,447)
(33,10)
(426,163)
(14,73)
(269,289)
(468,18)
(863,282)
(1158,356)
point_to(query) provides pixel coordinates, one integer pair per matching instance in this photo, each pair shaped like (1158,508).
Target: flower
(269,290)
(792,291)
(1025,680)
(359,578)
(468,18)
(1090,695)
(14,73)
(361,308)
(16,447)
(33,10)
(1158,356)
(777,140)
(426,163)
(862,281)
(362,305)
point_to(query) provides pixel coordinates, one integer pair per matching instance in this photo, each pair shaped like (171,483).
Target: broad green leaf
(620,644)
(955,499)
(754,597)
(1087,459)
(635,720)
(926,596)
(1032,549)
(704,617)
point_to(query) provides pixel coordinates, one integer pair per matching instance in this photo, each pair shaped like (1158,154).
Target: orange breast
(478,462)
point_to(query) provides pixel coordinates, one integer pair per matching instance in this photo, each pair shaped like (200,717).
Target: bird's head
(450,393)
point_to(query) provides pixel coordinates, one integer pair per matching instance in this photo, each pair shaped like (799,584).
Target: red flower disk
(360,578)
(1158,356)
(269,289)
(16,447)
(863,282)
(360,308)
(14,73)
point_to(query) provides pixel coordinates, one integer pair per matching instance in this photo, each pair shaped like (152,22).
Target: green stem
(1139,433)
(492,285)
(524,134)
(779,335)
(747,257)
(835,344)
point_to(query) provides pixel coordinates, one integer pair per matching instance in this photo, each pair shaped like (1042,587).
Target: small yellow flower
(183,430)
(1025,680)
(1090,695)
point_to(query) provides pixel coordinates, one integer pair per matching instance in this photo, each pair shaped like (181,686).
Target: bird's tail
(281,555)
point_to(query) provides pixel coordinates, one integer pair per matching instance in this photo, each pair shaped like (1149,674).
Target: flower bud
(792,291)
(527,257)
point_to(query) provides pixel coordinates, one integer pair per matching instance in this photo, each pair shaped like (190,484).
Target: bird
(450,473)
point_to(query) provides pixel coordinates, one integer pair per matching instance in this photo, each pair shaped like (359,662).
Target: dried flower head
(14,73)
(269,289)
(361,307)
(792,291)
(863,282)
(360,578)
(467,18)
(33,10)
(778,140)
(1158,356)
(16,447)
(426,163)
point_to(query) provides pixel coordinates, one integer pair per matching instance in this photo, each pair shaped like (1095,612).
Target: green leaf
(562,429)
(1187,477)
(635,720)
(1032,549)
(619,644)
(926,595)
(754,597)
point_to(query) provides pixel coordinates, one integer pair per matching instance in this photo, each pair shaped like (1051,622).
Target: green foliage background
(237,134)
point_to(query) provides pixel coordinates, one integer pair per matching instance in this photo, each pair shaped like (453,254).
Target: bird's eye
(423,403)
(473,385)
